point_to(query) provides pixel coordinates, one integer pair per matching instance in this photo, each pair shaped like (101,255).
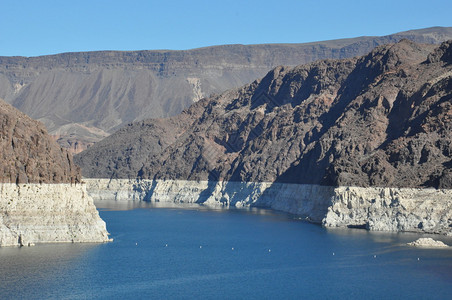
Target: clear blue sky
(31,28)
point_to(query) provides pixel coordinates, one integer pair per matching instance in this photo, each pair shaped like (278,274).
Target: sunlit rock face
(41,197)
(85,96)
(382,120)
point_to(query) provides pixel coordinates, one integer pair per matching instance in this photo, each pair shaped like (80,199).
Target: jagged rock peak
(389,57)
(442,53)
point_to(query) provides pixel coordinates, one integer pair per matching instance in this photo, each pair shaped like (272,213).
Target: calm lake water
(172,253)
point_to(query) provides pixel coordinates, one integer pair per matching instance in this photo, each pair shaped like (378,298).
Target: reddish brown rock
(28,153)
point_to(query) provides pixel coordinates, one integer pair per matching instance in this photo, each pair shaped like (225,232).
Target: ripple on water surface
(195,252)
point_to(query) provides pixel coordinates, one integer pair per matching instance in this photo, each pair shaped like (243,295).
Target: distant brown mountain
(383,119)
(84,97)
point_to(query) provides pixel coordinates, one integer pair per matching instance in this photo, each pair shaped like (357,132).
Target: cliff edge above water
(41,198)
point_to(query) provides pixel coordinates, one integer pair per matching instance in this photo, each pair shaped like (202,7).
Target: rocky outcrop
(428,243)
(391,209)
(83,97)
(28,154)
(373,208)
(48,213)
(41,199)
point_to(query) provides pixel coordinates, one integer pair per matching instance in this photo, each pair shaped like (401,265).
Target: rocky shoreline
(372,208)
(428,243)
(48,213)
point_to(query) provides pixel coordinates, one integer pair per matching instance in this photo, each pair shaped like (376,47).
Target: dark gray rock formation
(384,119)
(83,97)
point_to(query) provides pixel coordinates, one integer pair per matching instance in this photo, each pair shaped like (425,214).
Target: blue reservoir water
(168,253)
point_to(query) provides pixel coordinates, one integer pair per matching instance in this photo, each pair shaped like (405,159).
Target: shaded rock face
(83,97)
(373,208)
(384,119)
(28,154)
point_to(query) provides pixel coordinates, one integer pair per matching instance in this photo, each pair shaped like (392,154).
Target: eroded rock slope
(383,119)
(83,97)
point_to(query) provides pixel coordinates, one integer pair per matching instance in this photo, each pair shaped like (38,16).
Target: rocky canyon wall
(373,208)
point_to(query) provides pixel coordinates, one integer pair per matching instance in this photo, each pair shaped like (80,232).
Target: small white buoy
(166,245)
(375,256)
(200,247)
(269,250)
(136,244)
(418,258)
(333,253)
(232,248)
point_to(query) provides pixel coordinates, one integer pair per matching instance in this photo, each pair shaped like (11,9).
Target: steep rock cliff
(41,198)
(383,119)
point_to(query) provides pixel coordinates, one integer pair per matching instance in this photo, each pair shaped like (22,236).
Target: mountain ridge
(378,120)
(84,97)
